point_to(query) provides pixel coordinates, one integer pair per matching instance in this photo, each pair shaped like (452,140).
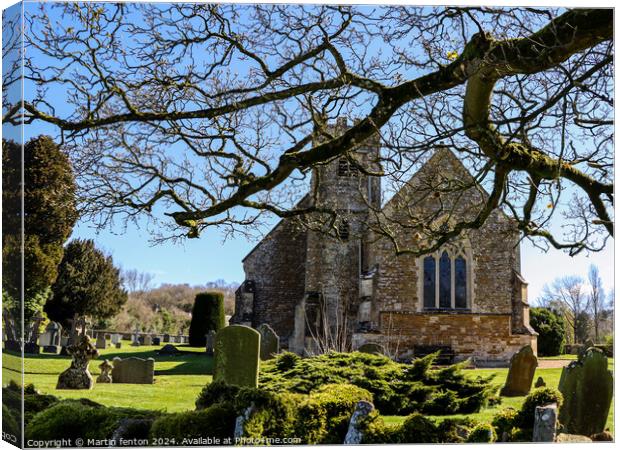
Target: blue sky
(208,258)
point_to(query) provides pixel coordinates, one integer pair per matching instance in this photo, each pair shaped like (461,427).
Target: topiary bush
(454,431)
(482,432)
(551,330)
(74,419)
(217,422)
(207,315)
(538,397)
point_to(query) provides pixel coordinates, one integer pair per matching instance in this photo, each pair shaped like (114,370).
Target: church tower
(336,246)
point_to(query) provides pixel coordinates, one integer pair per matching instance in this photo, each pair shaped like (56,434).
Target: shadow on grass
(191,362)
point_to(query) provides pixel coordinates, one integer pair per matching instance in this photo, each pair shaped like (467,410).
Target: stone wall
(277,267)
(485,337)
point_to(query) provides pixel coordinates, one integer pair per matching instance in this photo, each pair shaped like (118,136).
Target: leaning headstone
(210,343)
(587,388)
(521,373)
(104,376)
(77,375)
(269,342)
(101,343)
(354,435)
(540,383)
(236,358)
(545,423)
(372,348)
(133,370)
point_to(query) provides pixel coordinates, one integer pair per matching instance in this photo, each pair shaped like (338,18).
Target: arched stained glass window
(460,283)
(445,281)
(429,282)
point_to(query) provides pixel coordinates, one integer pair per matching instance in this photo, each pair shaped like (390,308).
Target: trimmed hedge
(207,315)
(83,419)
(217,422)
(483,432)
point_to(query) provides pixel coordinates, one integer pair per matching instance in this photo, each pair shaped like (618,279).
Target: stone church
(320,289)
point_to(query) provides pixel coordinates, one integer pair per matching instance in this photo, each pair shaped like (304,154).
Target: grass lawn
(178,379)
(551,377)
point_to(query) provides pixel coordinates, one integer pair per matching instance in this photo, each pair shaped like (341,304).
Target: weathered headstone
(104,376)
(116,338)
(587,388)
(521,373)
(354,435)
(540,383)
(148,340)
(210,343)
(133,370)
(77,375)
(237,349)
(101,343)
(545,423)
(372,348)
(241,420)
(269,342)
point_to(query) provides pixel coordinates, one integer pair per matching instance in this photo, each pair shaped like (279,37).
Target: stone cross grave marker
(269,342)
(104,376)
(521,373)
(237,349)
(133,370)
(77,375)
(587,388)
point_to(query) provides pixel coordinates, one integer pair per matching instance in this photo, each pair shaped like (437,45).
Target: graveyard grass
(179,380)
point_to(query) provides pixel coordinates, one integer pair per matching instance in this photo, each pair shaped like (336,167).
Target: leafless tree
(569,295)
(135,281)
(205,116)
(597,299)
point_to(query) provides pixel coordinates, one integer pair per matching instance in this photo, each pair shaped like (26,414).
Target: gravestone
(354,435)
(372,348)
(521,373)
(31,348)
(104,376)
(118,344)
(156,340)
(587,388)
(545,423)
(166,338)
(77,375)
(584,348)
(237,350)
(210,343)
(148,340)
(51,349)
(101,343)
(133,370)
(116,338)
(269,342)
(540,383)
(168,349)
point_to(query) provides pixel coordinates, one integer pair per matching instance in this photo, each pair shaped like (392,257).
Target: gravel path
(553,363)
